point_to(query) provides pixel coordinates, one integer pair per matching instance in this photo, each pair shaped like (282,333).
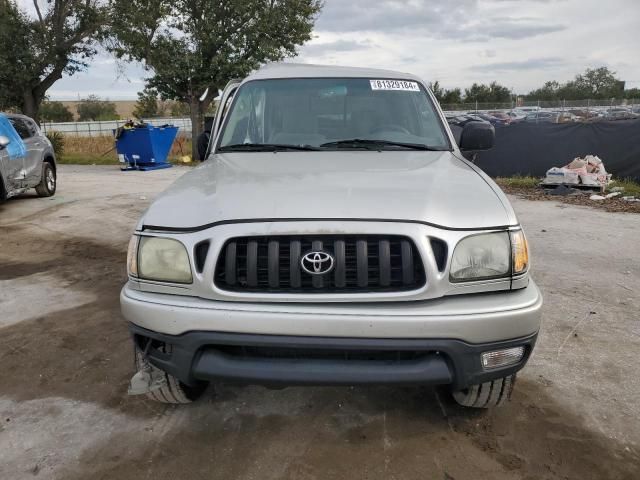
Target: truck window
(314,111)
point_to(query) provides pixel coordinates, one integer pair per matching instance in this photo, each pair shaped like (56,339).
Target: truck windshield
(332,114)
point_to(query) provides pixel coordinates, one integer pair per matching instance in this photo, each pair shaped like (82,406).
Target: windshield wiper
(264,147)
(376,144)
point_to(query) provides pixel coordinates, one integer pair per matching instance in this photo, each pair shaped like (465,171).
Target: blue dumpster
(145,147)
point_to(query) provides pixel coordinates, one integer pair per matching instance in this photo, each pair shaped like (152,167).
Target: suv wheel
(488,394)
(172,390)
(47,185)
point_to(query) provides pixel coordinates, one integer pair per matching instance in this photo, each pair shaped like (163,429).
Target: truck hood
(437,188)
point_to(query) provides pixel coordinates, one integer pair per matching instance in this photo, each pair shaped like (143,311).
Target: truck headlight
(482,256)
(160,259)
(520,252)
(490,255)
(132,256)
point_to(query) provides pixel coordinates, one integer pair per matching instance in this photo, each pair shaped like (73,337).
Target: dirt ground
(66,358)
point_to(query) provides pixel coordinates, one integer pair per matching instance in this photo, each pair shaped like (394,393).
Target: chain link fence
(106,128)
(633,104)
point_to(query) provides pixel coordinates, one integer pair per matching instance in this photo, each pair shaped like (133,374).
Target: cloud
(428,18)
(519,28)
(390,16)
(520,43)
(341,45)
(530,64)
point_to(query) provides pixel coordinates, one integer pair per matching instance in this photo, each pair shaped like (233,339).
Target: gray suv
(27,159)
(336,235)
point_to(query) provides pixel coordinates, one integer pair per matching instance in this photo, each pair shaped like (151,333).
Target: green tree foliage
(492,93)
(632,93)
(549,91)
(179,109)
(445,96)
(55,112)
(14,46)
(38,49)
(93,108)
(147,104)
(596,83)
(193,47)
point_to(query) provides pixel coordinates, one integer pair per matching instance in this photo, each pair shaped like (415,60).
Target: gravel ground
(66,361)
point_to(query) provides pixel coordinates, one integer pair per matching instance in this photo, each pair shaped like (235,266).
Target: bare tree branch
(35,4)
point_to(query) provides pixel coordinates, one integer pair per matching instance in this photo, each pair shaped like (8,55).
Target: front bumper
(285,360)
(429,342)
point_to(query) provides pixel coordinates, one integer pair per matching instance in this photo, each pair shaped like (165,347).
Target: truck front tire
(173,391)
(488,394)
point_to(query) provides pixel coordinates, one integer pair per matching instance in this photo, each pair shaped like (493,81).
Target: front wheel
(488,394)
(47,185)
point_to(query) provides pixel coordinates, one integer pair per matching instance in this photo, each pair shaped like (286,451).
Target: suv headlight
(489,255)
(159,259)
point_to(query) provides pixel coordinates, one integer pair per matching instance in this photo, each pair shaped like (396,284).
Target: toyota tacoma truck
(336,235)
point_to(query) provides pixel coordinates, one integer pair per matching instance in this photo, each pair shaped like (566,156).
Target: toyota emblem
(317,263)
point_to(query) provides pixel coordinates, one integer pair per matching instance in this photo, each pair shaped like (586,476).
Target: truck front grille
(361,263)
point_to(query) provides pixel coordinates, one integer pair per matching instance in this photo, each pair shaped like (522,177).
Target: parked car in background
(462,119)
(27,159)
(517,116)
(620,113)
(495,121)
(564,117)
(549,117)
(529,109)
(501,116)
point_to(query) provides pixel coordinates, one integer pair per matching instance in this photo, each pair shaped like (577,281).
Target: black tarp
(531,149)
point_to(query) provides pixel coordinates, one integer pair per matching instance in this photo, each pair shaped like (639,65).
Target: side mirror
(477,136)
(4,141)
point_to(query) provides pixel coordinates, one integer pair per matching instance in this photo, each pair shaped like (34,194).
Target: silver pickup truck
(336,235)
(27,159)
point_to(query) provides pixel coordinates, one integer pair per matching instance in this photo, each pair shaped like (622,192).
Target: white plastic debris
(613,194)
(555,175)
(596,197)
(586,171)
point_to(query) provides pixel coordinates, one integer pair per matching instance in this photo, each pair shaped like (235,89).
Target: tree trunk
(31,105)
(197,121)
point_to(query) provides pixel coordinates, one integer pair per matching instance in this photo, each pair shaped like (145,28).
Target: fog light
(502,358)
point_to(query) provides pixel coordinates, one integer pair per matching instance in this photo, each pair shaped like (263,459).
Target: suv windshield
(332,114)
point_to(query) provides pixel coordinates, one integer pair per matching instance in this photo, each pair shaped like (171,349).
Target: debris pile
(588,171)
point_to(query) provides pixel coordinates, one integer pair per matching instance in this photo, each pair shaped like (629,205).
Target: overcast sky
(519,43)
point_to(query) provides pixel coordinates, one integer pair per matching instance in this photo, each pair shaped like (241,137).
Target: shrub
(57,141)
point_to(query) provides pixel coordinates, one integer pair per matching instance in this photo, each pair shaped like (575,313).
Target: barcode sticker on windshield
(394,85)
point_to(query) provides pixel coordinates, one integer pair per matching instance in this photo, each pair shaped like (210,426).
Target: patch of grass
(518,182)
(630,187)
(87,159)
(99,150)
